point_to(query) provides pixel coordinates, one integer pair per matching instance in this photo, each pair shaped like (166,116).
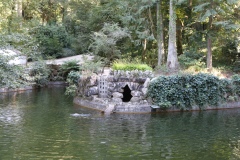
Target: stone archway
(126,94)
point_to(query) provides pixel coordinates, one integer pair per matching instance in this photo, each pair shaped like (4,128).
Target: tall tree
(209,39)
(172,60)
(137,16)
(160,38)
(215,14)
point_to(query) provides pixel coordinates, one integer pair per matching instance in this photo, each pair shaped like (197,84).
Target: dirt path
(62,60)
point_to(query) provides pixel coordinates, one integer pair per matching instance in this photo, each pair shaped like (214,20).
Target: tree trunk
(209,54)
(189,10)
(179,37)
(19,11)
(160,40)
(144,50)
(19,8)
(172,61)
(209,42)
(10,19)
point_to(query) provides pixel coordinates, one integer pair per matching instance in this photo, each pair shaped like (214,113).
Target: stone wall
(116,85)
(125,89)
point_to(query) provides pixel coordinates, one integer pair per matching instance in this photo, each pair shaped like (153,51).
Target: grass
(129,66)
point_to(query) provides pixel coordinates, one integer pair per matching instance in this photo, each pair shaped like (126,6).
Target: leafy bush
(52,39)
(40,72)
(22,42)
(105,42)
(236,66)
(187,91)
(10,75)
(195,62)
(72,80)
(69,66)
(91,66)
(130,66)
(236,84)
(73,77)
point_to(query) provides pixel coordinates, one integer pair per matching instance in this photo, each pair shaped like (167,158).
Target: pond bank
(32,87)
(121,107)
(142,108)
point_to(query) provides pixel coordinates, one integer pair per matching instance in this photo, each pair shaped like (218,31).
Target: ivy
(187,91)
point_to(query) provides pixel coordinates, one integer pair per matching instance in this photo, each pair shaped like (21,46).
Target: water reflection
(45,124)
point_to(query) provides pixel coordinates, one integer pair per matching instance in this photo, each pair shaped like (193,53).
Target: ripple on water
(46,127)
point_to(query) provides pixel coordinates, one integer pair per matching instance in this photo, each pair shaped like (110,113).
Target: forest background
(165,34)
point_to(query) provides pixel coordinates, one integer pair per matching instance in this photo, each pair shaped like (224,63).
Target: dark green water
(39,125)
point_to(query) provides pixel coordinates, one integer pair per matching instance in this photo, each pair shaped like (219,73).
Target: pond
(44,124)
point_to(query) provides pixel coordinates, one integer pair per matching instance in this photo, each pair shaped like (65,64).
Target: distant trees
(159,31)
(216,15)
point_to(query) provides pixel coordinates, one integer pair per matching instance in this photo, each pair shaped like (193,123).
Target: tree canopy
(157,32)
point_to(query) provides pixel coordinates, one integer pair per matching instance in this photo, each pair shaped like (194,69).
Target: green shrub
(22,42)
(72,80)
(187,61)
(236,84)
(90,67)
(40,72)
(130,66)
(10,75)
(69,66)
(187,91)
(52,39)
(73,77)
(105,42)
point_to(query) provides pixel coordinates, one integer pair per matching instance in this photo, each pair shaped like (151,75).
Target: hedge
(186,91)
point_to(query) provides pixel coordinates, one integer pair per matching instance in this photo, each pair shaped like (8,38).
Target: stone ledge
(227,105)
(89,104)
(50,84)
(6,90)
(119,108)
(54,83)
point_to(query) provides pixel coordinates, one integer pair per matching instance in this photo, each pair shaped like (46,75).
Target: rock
(146,83)
(92,91)
(110,79)
(93,81)
(136,93)
(134,86)
(140,80)
(123,79)
(117,95)
(54,72)
(136,99)
(117,100)
(144,91)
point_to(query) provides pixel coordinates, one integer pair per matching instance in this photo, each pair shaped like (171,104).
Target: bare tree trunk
(172,61)
(144,49)
(160,40)
(209,42)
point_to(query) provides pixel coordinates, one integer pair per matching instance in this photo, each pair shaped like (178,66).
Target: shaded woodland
(170,33)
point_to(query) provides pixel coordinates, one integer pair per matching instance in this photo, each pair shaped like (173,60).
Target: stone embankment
(118,92)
